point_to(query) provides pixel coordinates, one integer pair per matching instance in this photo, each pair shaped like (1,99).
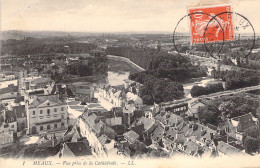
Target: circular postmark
(242,35)
(227,34)
(183,36)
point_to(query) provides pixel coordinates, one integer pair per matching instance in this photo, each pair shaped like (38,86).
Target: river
(117,77)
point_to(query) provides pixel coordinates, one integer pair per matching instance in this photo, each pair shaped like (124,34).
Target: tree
(197,91)
(228,109)
(209,114)
(251,144)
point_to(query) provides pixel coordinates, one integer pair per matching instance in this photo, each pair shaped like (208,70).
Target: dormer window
(48,104)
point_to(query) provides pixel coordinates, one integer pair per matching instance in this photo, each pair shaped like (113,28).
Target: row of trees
(44,46)
(157,90)
(200,90)
(238,79)
(175,67)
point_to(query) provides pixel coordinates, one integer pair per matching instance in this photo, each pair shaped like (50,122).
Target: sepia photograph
(130,83)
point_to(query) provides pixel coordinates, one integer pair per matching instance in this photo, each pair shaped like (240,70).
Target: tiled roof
(8,96)
(79,148)
(90,120)
(131,136)
(41,80)
(227,149)
(175,119)
(245,121)
(98,126)
(38,100)
(103,139)
(171,133)
(147,122)
(191,148)
(158,133)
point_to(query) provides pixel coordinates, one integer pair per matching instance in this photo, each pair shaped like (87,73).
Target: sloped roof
(191,148)
(79,148)
(103,139)
(8,96)
(38,100)
(98,126)
(171,133)
(147,122)
(131,136)
(227,149)
(175,119)
(158,133)
(90,119)
(41,80)
(244,122)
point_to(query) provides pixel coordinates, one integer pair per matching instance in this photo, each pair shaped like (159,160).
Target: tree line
(238,78)
(200,90)
(44,46)
(156,89)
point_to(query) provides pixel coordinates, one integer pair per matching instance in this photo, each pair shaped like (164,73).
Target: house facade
(46,113)
(239,127)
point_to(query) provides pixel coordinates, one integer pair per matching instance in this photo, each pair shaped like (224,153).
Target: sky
(106,15)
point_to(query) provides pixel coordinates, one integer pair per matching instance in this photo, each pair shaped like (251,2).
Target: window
(48,111)
(62,124)
(62,116)
(55,110)
(12,126)
(62,108)
(227,129)
(40,111)
(55,125)
(33,112)
(48,127)
(41,128)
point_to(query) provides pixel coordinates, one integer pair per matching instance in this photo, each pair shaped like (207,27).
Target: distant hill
(19,35)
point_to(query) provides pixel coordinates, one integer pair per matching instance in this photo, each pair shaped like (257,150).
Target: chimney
(219,64)
(52,141)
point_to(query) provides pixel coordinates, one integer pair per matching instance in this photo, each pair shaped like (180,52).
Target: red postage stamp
(209,23)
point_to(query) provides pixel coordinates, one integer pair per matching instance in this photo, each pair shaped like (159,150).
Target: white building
(46,112)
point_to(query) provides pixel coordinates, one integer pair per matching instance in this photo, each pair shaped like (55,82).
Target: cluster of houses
(120,96)
(166,126)
(32,109)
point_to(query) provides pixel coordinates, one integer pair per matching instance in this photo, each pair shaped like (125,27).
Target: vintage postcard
(130,83)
